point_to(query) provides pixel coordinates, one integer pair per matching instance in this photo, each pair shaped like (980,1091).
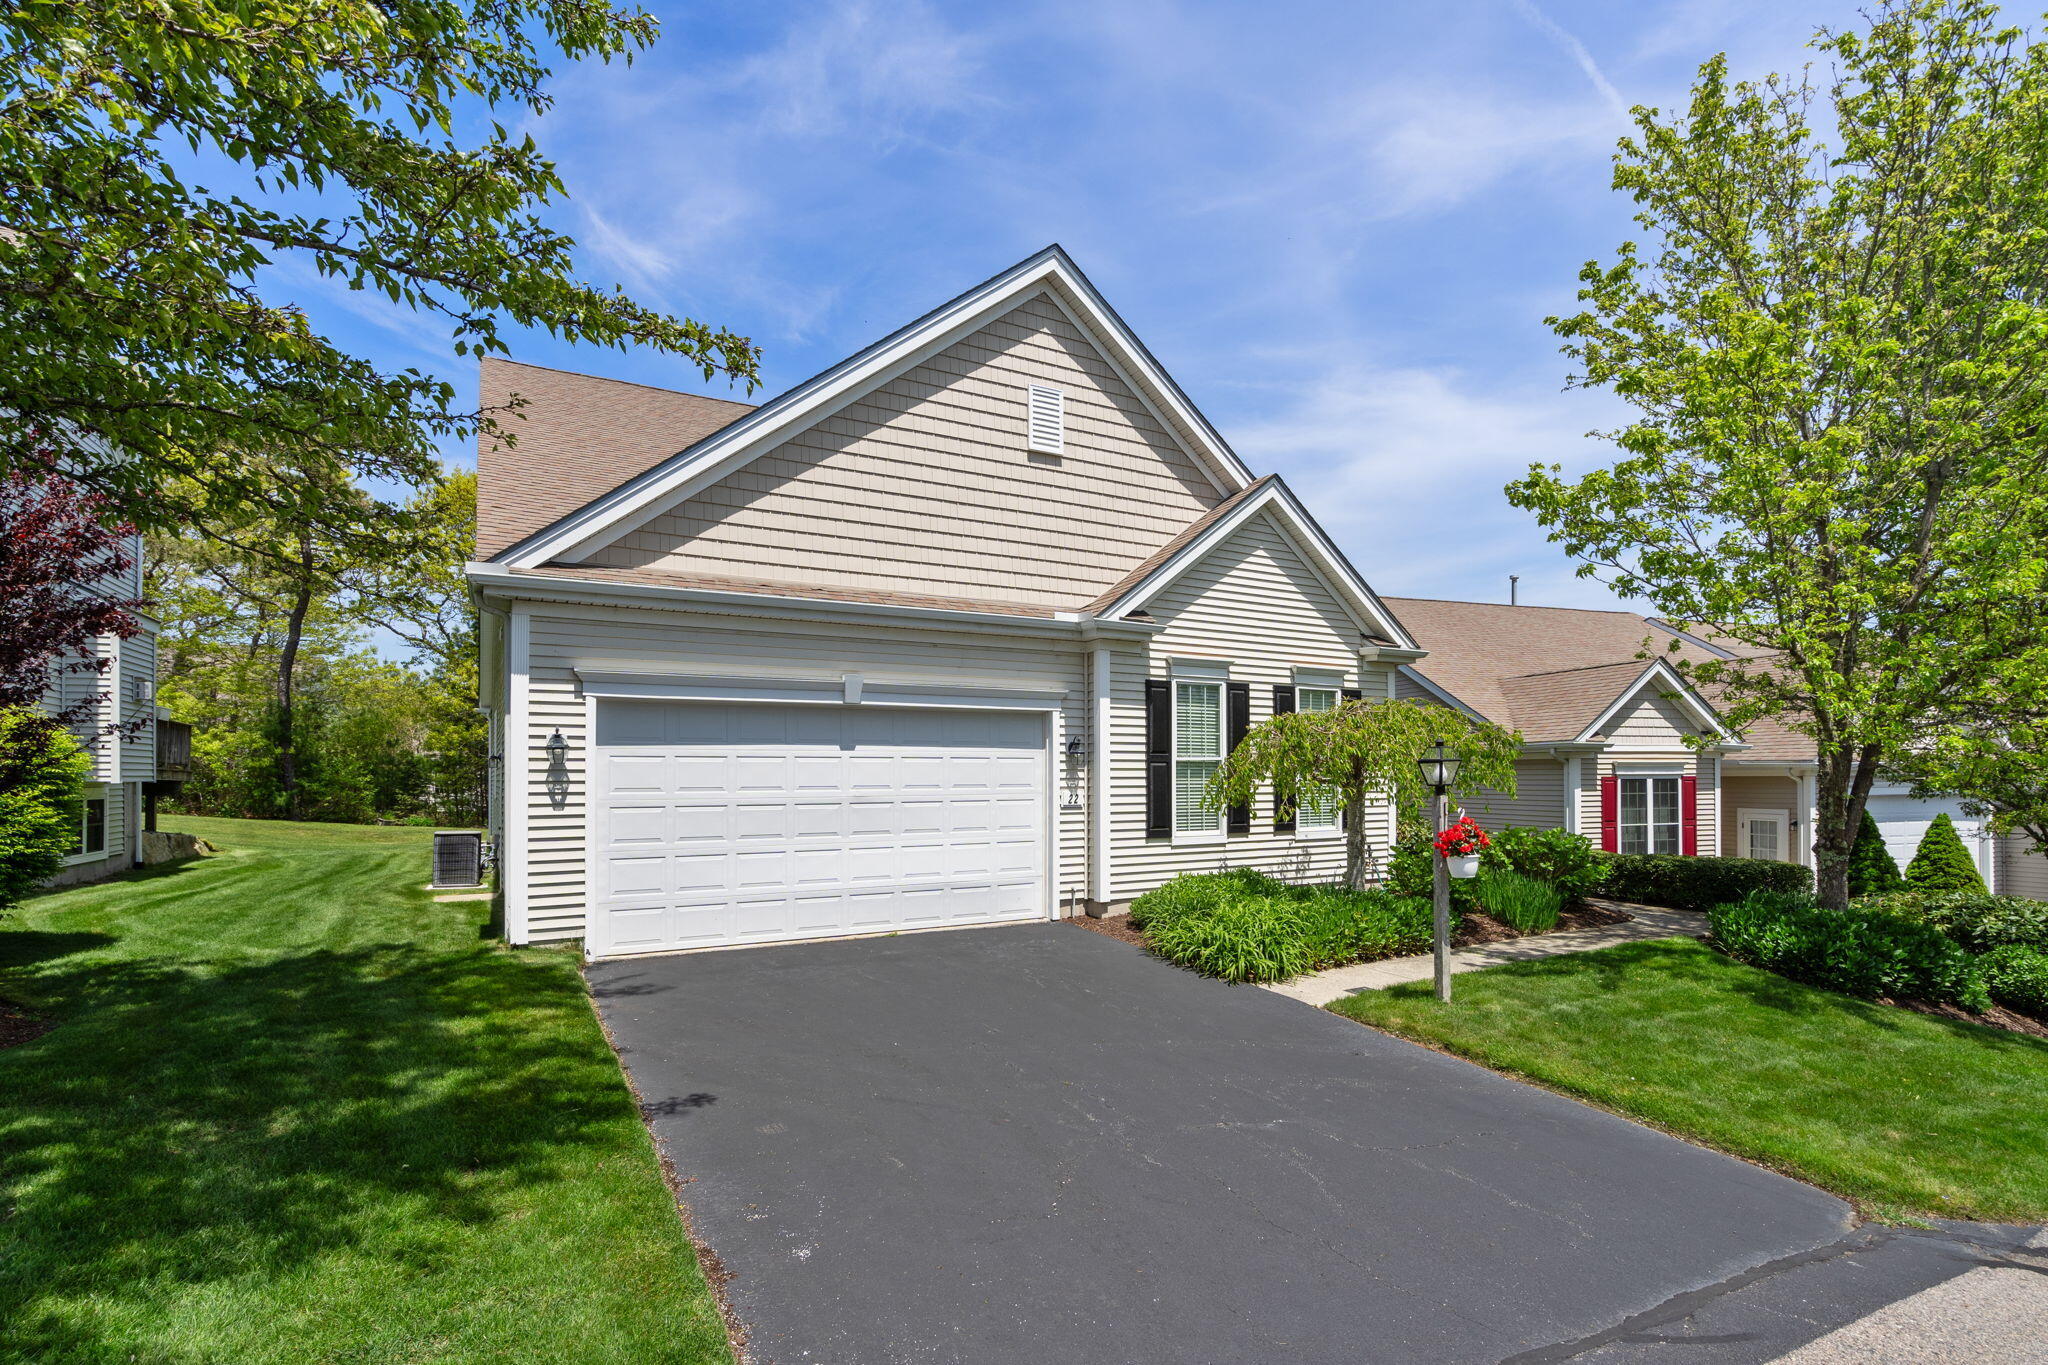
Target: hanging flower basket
(1459,847)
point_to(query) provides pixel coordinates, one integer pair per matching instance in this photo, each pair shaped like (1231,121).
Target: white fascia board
(1679,688)
(1323,556)
(495,581)
(1439,693)
(603,520)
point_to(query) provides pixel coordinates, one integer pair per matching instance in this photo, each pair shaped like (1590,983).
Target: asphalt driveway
(1038,1144)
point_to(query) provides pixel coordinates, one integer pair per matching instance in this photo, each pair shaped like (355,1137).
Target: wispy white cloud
(862,69)
(1574,49)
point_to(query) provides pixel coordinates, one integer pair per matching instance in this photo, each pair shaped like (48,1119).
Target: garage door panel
(755,823)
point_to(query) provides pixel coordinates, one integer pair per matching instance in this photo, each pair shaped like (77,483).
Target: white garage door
(1903,820)
(722,823)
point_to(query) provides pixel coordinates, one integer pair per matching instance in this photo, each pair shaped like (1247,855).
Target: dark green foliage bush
(1567,861)
(1872,869)
(1941,863)
(1517,901)
(1413,866)
(1697,883)
(41,769)
(1243,925)
(1979,923)
(2017,976)
(1857,951)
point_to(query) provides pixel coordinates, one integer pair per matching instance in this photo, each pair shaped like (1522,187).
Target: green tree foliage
(1942,863)
(1838,356)
(42,772)
(1872,869)
(1364,751)
(1999,767)
(341,140)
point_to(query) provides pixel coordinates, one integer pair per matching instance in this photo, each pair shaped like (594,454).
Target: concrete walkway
(1320,988)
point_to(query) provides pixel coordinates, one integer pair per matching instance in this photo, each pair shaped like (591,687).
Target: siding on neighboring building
(565,638)
(2021,871)
(1254,603)
(925,484)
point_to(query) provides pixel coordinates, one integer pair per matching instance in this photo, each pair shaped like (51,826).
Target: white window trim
(1203,672)
(105,850)
(1744,814)
(1317,680)
(1648,774)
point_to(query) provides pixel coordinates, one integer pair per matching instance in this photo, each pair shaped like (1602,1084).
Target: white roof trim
(681,476)
(1681,690)
(1323,557)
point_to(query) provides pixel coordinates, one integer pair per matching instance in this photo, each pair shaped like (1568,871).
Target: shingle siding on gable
(925,485)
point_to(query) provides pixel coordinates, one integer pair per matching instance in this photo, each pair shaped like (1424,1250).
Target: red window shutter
(1689,815)
(1610,813)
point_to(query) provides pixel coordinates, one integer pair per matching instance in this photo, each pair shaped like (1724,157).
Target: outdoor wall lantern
(557,747)
(1075,746)
(1439,769)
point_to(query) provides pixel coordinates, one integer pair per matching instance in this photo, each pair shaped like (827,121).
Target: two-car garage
(722,822)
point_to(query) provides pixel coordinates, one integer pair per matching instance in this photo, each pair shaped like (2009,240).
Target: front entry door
(1763,835)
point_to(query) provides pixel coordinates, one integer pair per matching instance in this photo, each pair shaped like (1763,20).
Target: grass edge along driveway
(1905,1114)
(296,1110)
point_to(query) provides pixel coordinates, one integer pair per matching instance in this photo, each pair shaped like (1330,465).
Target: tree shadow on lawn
(186,1126)
(1700,967)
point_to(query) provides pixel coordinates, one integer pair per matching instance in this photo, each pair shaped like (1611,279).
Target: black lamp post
(1439,771)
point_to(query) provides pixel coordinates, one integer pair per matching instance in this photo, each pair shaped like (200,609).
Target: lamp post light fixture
(1439,771)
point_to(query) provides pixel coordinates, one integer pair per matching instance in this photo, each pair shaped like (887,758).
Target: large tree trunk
(287,669)
(1355,858)
(1841,790)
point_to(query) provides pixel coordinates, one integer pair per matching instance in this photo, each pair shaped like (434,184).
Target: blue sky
(1340,226)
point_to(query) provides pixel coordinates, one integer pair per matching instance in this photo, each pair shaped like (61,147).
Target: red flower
(1462,840)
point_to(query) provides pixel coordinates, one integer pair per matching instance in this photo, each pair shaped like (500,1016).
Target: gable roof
(1271,495)
(577,438)
(580,528)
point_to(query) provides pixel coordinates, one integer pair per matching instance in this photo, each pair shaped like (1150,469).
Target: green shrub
(2017,976)
(1411,869)
(1941,863)
(42,771)
(1565,860)
(1246,926)
(1697,883)
(1979,923)
(1857,951)
(1522,903)
(1872,869)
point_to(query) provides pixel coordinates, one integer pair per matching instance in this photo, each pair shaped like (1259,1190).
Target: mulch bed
(1998,1016)
(1476,927)
(18,1026)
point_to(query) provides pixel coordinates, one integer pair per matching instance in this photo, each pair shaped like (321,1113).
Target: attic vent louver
(1048,421)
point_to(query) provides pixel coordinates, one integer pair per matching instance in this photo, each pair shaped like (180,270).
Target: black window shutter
(1158,758)
(1240,697)
(1283,801)
(1344,815)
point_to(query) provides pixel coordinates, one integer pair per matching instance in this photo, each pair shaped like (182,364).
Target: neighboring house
(1606,741)
(136,754)
(953,633)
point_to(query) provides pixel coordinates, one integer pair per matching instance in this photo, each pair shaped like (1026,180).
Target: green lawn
(1904,1113)
(296,1110)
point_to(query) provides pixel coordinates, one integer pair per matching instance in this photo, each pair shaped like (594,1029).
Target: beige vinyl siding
(566,638)
(1651,729)
(925,484)
(1538,801)
(1253,602)
(1756,792)
(2021,872)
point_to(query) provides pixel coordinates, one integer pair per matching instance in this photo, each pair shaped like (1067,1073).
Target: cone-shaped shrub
(1942,863)
(1872,869)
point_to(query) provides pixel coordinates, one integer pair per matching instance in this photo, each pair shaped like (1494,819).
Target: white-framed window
(1197,751)
(1313,815)
(1649,818)
(92,828)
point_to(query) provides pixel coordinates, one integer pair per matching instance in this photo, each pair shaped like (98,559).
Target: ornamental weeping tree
(1838,355)
(1361,752)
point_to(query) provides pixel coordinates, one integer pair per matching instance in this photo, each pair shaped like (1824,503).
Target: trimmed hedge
(1698,883)
(1567,861)
(1872,869)
(1941,863)
(2018,978)
(1243,925)
(1977,921)
(1858,951)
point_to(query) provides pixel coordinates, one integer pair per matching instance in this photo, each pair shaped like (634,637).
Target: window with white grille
(1047,421)
(1316,812)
